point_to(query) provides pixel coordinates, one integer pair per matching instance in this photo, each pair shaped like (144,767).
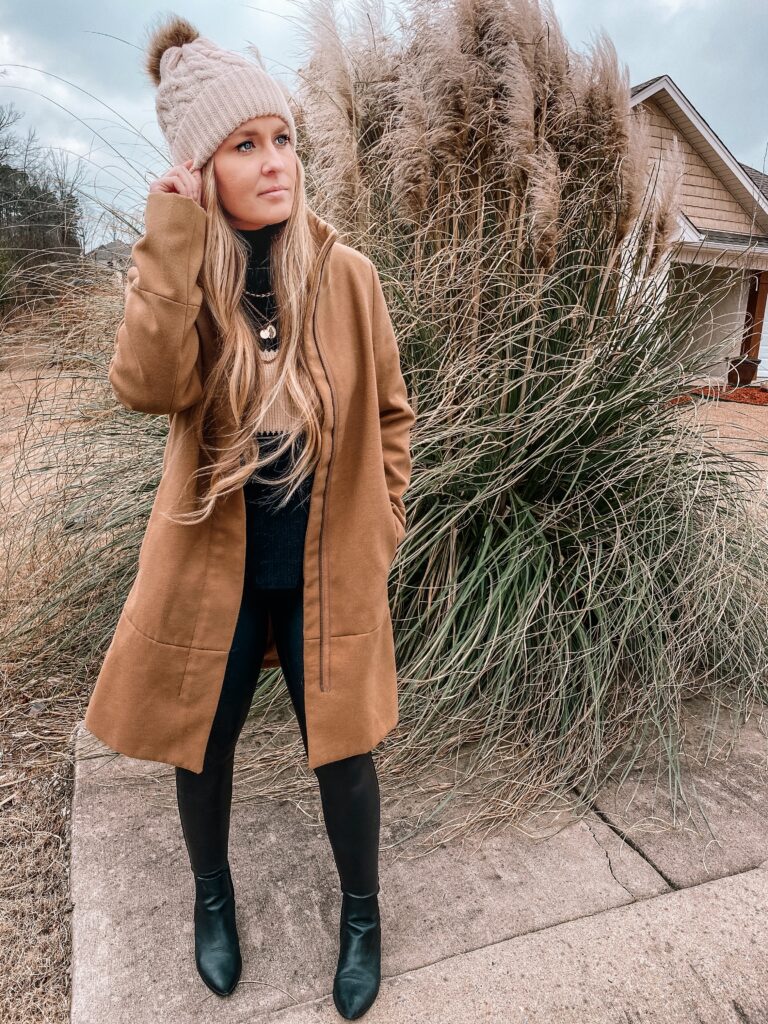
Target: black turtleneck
(259,239)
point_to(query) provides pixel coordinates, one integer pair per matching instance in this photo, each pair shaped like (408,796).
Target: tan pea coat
(159,683)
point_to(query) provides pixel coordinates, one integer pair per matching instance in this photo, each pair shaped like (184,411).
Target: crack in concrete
(610,864)
(634,847)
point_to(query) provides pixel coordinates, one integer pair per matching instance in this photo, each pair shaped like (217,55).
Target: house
(115,254)
(723,220)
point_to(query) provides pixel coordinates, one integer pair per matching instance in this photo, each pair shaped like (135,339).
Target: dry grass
(36,776)
(41,397)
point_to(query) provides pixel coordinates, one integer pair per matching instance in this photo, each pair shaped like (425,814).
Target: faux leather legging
(349,789)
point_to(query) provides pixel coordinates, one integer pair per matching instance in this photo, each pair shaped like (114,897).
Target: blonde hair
(234,390)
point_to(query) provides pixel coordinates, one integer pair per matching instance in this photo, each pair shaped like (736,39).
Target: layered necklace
(258,265)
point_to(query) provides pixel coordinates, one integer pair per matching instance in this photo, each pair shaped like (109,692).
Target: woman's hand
(182,180)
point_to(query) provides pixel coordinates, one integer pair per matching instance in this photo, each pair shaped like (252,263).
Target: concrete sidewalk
(612,919)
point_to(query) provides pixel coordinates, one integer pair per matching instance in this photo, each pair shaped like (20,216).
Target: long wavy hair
(235,398)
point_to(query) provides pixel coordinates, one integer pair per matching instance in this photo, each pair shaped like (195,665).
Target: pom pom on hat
(175,32)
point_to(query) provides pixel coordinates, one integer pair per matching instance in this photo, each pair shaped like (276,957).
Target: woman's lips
(274,192)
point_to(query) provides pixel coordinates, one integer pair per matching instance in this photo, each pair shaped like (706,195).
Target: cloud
(90,56)
(702,45)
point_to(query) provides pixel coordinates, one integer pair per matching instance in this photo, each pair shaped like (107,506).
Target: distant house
(114,254)
(724,217)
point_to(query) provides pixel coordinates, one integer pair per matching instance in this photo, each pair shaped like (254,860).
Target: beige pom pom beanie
(204,92)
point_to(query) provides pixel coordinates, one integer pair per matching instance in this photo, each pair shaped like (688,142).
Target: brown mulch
(749,395)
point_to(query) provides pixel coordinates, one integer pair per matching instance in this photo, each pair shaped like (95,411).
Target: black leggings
(349,789)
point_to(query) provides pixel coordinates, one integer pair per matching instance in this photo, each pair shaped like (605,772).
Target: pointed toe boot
(217,946)
(358,972)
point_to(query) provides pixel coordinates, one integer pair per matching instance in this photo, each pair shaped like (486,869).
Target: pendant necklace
(269,331)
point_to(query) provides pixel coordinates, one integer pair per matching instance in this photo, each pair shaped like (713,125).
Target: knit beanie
(205,92)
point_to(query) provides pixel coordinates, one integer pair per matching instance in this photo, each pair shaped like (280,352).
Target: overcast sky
(714,50)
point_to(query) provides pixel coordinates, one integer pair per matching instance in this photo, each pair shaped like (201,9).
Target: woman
(279,511)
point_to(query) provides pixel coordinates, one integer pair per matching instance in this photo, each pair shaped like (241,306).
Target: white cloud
(97,49)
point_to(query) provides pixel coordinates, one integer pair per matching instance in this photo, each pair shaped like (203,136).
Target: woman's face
(257,156)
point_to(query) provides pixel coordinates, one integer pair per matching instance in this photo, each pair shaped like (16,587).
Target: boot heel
(358,972)
(217,945)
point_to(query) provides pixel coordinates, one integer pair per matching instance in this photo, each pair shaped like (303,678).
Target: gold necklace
(269,331)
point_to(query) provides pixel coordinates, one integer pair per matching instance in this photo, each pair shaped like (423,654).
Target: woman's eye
(283,135)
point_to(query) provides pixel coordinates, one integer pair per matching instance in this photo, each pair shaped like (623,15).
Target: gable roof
(760,179)
(746,189)
(115,247)
(642,85)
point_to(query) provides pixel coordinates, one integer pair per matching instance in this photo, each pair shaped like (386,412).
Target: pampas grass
(580,555)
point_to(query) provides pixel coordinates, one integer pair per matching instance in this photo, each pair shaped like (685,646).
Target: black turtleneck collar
(259,240)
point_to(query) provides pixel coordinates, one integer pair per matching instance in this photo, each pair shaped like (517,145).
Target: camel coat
(159,684)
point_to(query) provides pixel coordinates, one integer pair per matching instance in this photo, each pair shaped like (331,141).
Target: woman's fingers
(189,180)
(180,179)
(194,180)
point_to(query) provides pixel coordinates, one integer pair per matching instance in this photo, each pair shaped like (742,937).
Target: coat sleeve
(154,365)
(395,413)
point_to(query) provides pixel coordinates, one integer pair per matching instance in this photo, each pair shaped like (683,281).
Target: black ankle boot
(217,946)
(358,972)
